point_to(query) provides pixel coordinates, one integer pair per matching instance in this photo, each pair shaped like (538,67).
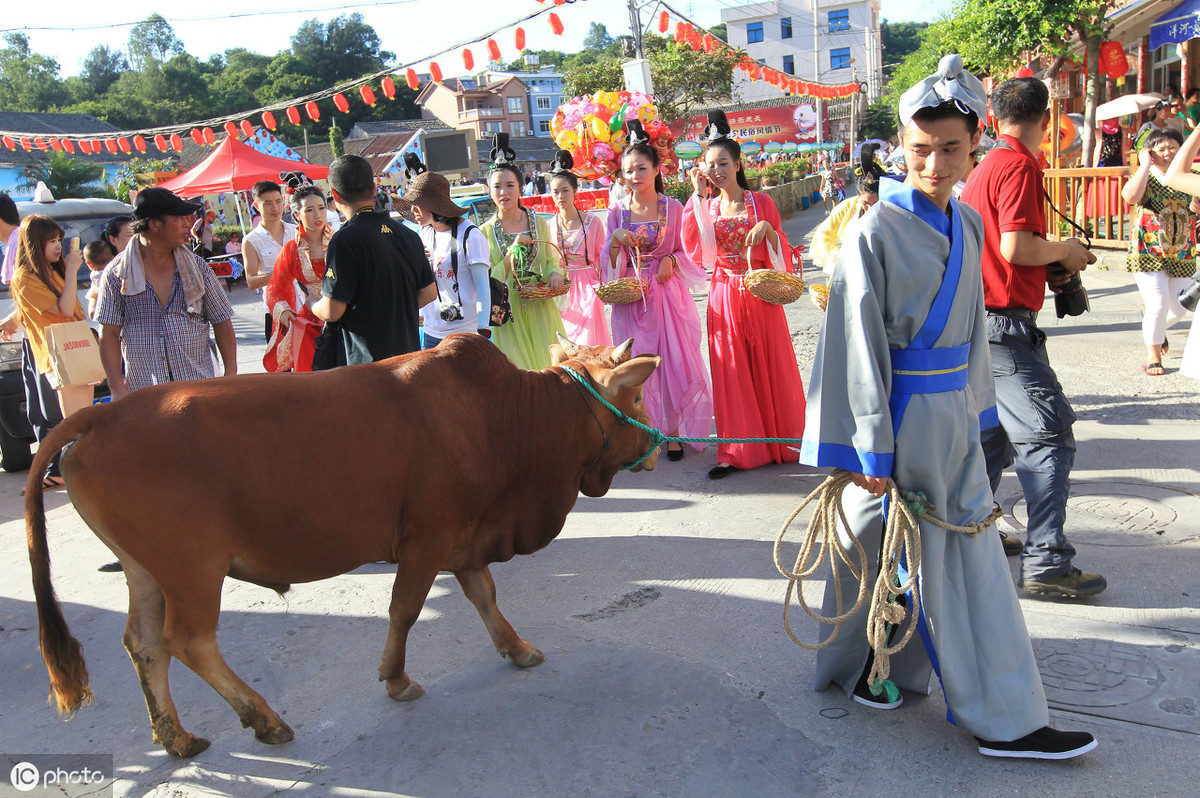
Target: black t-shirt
(377,267)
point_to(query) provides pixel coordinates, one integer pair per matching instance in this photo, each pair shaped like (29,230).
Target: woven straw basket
(625,290)
(819,293)
(776,287)
(529,290)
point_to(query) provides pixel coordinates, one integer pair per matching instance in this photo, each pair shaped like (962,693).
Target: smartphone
(73,244)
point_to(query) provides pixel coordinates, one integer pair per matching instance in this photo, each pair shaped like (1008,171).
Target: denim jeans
(1035,433)
(41,401)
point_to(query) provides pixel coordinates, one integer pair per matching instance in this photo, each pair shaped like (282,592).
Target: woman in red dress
(757,392)
(296,285)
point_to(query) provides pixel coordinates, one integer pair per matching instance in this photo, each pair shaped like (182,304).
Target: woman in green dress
(513,236)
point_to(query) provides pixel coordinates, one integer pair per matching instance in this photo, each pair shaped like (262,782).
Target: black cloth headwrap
(562,163)
(413,165)
(637,134)
(717,127)
(501,153)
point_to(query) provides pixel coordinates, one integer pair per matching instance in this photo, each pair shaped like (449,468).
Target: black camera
(1190,296)
(451,312)
(1071,298)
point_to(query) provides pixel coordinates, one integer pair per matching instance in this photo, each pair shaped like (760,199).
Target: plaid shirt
(163,344)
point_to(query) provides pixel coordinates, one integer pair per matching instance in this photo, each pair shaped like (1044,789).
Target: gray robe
(887,294)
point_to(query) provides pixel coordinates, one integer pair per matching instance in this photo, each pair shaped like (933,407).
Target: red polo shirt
(1006,189)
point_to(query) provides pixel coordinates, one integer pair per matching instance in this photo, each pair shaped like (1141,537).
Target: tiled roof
(53,124)
(398,126)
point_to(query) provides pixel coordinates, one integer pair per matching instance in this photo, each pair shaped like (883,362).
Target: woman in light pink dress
(580,236)
(678,395)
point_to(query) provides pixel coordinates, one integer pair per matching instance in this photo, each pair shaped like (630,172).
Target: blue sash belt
(929,370)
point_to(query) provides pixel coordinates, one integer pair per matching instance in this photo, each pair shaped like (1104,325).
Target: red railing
(1092,198)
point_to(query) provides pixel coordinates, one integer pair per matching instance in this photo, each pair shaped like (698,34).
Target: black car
(16,435)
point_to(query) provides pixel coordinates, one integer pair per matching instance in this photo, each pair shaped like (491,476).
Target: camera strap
(1087,240)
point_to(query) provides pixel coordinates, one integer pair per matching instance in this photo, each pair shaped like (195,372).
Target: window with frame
(754,32)
(785,28)
(839,58)
(515,106)
(518,128)
(544,126)
(492,128)
(839,20)
(543,103)
(789,64)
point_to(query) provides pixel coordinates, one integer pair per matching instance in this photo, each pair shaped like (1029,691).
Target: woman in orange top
(44,292)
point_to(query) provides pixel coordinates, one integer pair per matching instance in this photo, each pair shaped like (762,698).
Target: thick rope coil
(900,552)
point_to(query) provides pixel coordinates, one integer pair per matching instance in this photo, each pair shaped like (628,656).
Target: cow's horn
(623,352)
(569,346)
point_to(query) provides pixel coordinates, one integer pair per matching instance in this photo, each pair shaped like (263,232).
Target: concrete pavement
(659,610)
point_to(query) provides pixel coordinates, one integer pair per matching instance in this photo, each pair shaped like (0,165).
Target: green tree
(935,41)
(899,39)
(720,31)
(101,68)
(136,174)
(554,58)
(152,41)
(28,81)
(66,177)
(597,38)
(879,122)
(343,49)
(684,80)
(335,141)
(996,35)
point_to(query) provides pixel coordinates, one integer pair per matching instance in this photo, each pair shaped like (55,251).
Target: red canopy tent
(234,166)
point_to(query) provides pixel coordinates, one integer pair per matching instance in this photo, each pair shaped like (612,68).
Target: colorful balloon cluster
(593,129)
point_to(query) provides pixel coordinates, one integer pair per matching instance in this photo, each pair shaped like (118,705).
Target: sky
(412,29)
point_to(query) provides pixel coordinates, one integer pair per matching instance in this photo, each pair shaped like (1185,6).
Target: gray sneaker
(1073,584)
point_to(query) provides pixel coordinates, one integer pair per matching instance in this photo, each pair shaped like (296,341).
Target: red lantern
(1024,72)
(55,144)
(367,94)
(268,120)
(314,113)
(26,144)
(12,145)
(556,24)
(493,50)
(664,22)
(40,143)
(69,146)
(160,141)
(210,138)
(293,115)
(410,76)
(680,31)
(247,128)
(341,103)
(125,146)
(468,59)
(111,145)
(139,143)
(389,86)
(519,39)
(1112,60)
(84,145)
(96,146)
(435,71)
(177,142)
(231,130)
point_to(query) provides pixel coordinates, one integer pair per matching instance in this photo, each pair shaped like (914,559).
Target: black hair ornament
(717,127)
(563,163)
(293,180)
(636,133)
(413,165)
(502,154)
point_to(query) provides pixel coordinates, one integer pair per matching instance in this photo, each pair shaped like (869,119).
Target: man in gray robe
(901,386)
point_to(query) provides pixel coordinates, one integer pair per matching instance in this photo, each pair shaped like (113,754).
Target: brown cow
(445,460)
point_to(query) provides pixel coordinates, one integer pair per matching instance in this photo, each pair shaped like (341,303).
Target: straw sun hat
(431,192)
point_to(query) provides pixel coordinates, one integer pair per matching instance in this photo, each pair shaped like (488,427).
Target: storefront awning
(1177,25)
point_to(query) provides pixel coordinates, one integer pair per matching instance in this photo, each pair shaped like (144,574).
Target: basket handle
(512,269)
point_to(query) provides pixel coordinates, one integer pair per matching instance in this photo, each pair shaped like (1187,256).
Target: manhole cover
(1119,514)
(1096,673)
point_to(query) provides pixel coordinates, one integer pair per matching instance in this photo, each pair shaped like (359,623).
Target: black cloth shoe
(863,695)
(721,471)
(675,455)
(1045,743)
(1073,584)
(1012,546)
(111,568)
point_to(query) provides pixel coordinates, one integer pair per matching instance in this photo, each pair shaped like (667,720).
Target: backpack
(501,306)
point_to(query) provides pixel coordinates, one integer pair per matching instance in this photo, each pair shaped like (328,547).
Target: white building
(844,36)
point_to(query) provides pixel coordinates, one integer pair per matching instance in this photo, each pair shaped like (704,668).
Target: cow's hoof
(186,745)
(407,691)
(529,659)
(277,735)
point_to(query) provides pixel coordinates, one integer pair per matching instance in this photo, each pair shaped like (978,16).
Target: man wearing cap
(158,300)
(1035,418)
(460,258)
(901,387)
(376,274)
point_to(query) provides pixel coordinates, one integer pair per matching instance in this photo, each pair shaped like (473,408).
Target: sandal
(50,483)
(1166,346)
(1153,370)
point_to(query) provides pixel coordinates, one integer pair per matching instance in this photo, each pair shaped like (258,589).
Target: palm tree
(65,176)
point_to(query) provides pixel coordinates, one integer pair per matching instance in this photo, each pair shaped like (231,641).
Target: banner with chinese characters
(781,124)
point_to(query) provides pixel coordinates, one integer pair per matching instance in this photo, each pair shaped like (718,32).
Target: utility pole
(817,69)
(637,71)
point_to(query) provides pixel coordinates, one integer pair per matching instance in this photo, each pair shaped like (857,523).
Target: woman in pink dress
(756,383)
(677,395)
(580,236)
(301,263)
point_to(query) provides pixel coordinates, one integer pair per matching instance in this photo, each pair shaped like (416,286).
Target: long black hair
(717,132)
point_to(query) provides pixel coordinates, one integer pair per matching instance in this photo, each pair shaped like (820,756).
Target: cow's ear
(558,355)
(630,374)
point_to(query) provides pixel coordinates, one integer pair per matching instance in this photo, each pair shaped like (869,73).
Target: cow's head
(618,376)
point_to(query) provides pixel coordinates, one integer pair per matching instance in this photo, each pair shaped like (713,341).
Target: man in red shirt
(1035,417)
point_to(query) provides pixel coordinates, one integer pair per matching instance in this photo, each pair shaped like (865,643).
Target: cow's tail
(62,653)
